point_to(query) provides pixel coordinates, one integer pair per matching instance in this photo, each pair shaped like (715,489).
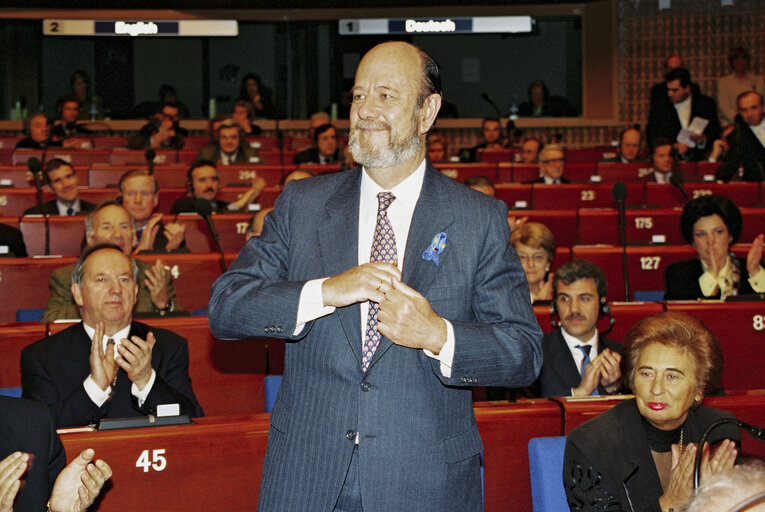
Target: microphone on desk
(203,208)
(149,156)
(36,168)
(619,191)
(677,181)
(753,430)
(488,99)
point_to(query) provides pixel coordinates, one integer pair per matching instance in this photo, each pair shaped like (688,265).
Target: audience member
(535,245)
(162,131)
(91,106)
(721,147)
(37,131)
(63,182)
(203,182)
(659,90)
(481,184)
(630,140)
(67,126)
(491,130)
(229,146)
(212,127)
(663,162)
(711,224)
(577,360)
(107,366)
(530,149)
(110,222)
(32,472)
(747,142)
(639,454)
(437,151)
(139,192)
(741,80)
(252,89)
(12,242)
(542,104)
(243,114)
(552,161)
(677,118)
(741,486)
(317,119)
(325,149)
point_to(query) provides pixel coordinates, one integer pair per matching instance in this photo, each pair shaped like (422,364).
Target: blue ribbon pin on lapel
(436,247)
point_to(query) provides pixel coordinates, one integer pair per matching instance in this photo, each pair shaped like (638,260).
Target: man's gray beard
(397,151)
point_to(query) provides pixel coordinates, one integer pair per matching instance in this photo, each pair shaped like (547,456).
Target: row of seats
(8,142)
(238,368)
(179,460)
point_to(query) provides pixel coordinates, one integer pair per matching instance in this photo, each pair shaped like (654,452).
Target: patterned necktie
(586,351)
(110,341)
(383,250)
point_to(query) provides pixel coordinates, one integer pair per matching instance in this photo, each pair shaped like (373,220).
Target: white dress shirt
(684,112)
(62,208)
(400,214)
(759,131)
(100,396)
(577,354)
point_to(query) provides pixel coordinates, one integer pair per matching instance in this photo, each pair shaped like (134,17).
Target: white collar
(573,342)
(117,336)
(406,192)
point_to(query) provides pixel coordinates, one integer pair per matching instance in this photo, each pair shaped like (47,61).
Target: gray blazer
(419,445)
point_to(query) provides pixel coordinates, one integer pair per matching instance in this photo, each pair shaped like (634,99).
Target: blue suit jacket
(419,445)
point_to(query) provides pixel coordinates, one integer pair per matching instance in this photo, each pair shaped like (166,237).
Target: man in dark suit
(32,459)
(229,146)
(67,126)
(552,161)
(577,361)
(747,142)
(63,182)
(667,118)
(325,150)
(12,242)
(630,142)
(203,182)
(399,290)
(491,129)
(107,366)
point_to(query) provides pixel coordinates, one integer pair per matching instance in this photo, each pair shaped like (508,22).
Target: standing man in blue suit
(397,290)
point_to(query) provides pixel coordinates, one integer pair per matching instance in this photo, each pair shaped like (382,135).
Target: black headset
(604,310)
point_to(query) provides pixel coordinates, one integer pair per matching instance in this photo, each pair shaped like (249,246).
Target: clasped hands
(133,356)
(602,370)
(405,316)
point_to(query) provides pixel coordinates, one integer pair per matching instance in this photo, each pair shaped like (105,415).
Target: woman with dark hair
(252,90)
(639,455)
(90,105)
(711,224)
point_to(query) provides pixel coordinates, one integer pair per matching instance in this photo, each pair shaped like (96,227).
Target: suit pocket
(462,445)
(281,416)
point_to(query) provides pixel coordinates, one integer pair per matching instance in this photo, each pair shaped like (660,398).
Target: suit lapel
(564,361)
(79,356)
(338,247)
(432,215)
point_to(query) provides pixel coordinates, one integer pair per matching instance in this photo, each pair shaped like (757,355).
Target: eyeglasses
(553,161)
(536,258)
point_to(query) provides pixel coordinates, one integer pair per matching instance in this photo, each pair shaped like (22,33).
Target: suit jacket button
(350,435)
(365,386)
(463,379)
(279,329)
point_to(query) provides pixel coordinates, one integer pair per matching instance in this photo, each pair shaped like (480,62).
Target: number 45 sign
(157,461)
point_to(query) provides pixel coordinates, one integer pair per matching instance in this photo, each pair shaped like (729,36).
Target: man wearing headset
(203,182)
(577,361)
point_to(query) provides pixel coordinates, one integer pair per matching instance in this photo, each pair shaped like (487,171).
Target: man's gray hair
(79,265)
(101,206)
(731,488)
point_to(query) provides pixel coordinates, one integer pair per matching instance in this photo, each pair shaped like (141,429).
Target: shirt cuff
(758,280)
(708,284)
(446,356)
(142,394)
(311,305)
(97,395)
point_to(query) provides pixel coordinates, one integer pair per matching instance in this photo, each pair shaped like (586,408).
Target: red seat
(590,195)
(122,156)
(244,174)
(587,155)
(524,172)
(747,407)
(516,196)
(579,171)
(26,281)
(495,156)
(272,143)
(753,223)
(66,234)
(740,327)
(15,200)
(274,156)
(705,171)
(612,172)
(8,142)
(16,175)
(743,194)
(562,223)
(643,226)
(73,156)
(13,338)
(109,175)
(108,142)
(460,172)
(314,169)
(231,228)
